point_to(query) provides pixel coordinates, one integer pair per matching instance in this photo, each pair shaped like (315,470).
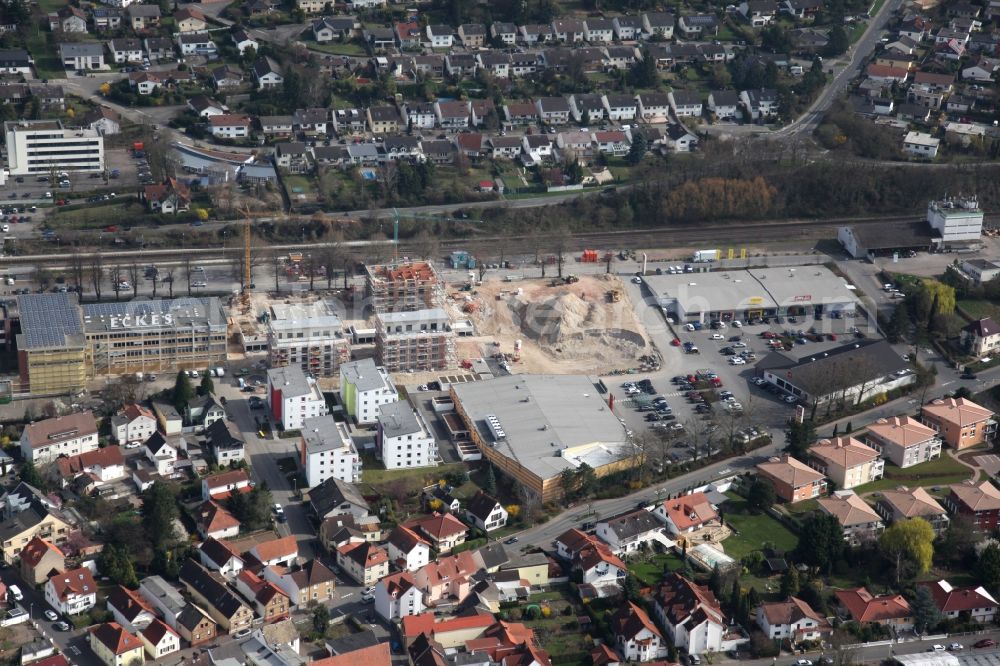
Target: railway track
(665,237)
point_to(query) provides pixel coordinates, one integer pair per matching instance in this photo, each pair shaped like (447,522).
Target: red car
(832,336)
(716,382)
(985,643)
(111,228)
(676,342)
(768,335)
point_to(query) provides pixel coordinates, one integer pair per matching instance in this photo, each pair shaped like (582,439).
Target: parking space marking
(989,462)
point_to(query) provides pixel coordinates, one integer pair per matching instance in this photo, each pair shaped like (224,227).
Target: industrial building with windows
(147,336)
(310,335)
(803,291)
(534,427)
(37,147)
(62,344)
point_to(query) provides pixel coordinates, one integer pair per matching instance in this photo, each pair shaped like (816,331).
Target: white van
(15,593)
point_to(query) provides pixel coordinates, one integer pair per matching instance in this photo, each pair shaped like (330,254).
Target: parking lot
(700,398)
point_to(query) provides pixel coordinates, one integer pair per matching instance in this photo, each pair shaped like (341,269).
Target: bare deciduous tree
(134,275)
(96,273)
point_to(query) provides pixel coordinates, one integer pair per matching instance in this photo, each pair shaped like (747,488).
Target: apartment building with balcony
(293,397)
(403,288)
(310,335)
(904,441)
(793,480)
(404,439)
(414,341)
(959,422)
(846,461)
(364,387)
(327,451)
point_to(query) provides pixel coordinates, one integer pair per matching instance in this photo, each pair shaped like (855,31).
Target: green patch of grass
(44,51)
(299,185)
(421,476)
(650,570)
(941,472)
(338,48)
(93,216)
(979,309)
(805,506)
(857,30)
(751,531)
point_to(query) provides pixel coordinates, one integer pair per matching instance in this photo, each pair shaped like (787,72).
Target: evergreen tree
(159,513)
(988,568)
(116,564)
(490,482)
(183,392)
(761,496)
(643,73)
(925,611)
(821,542)
(207,385)
(29,474)
(638,148)
(790,582)
(321,618)
(837,41)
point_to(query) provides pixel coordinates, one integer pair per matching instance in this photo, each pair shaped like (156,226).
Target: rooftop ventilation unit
(496,428)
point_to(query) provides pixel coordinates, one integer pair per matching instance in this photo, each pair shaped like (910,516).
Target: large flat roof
(803,285)
(164,314)
(752,288)
(550,422)
(709,292)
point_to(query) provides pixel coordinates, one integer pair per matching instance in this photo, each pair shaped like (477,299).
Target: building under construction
(306,333)
(415,341)
(403,288)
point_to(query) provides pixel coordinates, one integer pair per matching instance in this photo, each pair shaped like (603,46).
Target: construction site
(576,325)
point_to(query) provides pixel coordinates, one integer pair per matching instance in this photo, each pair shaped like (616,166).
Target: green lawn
(378,477)
(337,48)
(45,53)
(858,30)
(299,185)
(650,571)
(754,530)
(980,309)
(941,472)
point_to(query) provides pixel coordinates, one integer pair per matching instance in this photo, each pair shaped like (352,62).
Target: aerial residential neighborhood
(549,333)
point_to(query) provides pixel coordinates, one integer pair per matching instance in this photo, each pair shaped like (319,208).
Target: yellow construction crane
(245,293)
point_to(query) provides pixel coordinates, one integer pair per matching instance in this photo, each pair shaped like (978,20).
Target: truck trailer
(702,256)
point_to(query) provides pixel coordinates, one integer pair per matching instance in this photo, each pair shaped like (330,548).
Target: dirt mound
(570,328)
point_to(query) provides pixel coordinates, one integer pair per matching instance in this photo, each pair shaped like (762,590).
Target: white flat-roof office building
(757,292)
(43,146)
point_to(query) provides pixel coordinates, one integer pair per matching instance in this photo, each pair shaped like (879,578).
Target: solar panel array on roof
(153,314)
(47,320)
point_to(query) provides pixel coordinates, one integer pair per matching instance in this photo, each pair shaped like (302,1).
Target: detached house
(125,50)
(636,637)
(283,551)
(312,582)
(953,601)
(39,560)
(485,512)
(72,592)
(691,615)
(504,32)
(134,423)
(267,73)
(981,337)
(600,570)
(614,142)
(160,640)
(888,610)
(793,620)
(142,16)
(365,562)
(229,126)
(130,609)
(687,513)
(629,28)
(600,31)
(219,555)
(196,43)
(383,120)
(407,550)
(659,23)
(397,596)
(443,530)
(169,197)
(631,531)
(114,646)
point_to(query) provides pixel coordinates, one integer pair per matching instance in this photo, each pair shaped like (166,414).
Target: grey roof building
(334,497)
(397,419)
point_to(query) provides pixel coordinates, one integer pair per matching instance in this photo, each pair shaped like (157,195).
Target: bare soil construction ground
(564,329)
